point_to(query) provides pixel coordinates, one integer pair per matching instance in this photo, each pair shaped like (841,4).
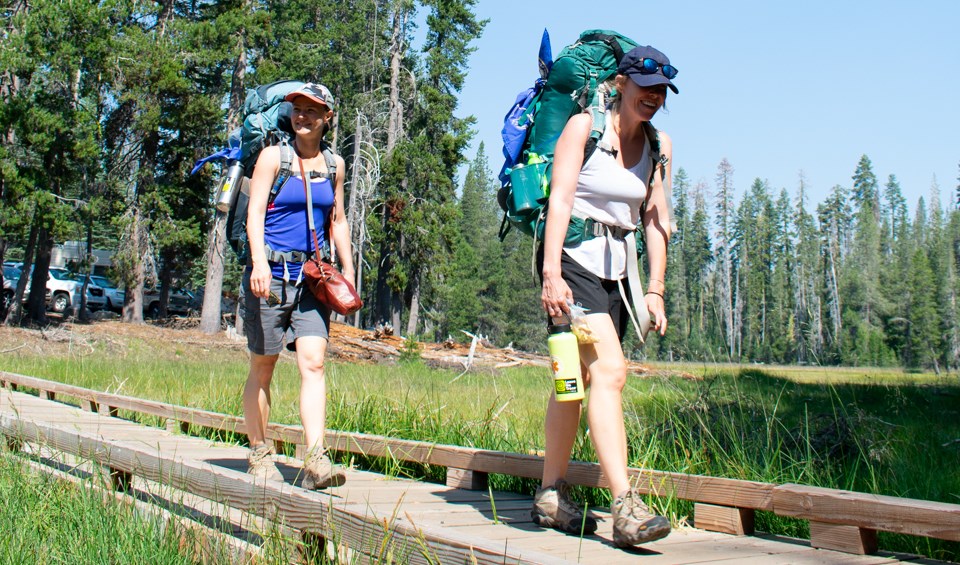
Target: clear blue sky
(775,87)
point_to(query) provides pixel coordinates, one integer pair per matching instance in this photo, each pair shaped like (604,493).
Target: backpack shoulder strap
(661,160)
(331,159)
(286,169)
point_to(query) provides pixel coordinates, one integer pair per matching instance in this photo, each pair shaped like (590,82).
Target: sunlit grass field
(870,430)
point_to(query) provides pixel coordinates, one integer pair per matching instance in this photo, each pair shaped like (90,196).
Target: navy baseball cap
(648,67)
(315,92)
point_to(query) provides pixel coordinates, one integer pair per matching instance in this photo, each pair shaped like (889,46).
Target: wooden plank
(840,537)
(736,521)
(870,511)
(714,490)
(304,510)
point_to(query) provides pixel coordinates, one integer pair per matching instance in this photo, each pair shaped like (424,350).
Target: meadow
(869,430)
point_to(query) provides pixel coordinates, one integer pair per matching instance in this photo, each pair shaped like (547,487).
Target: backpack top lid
(265,120)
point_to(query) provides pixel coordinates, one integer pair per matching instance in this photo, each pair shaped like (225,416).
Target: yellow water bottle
(565,362)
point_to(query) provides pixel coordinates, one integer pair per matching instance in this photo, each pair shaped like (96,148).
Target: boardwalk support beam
(724,519)
(466,479)
(839,537)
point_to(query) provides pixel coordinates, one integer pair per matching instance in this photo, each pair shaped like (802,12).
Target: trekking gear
(321,278)
(319,472)
(633,523)
(554,508)
(260,464)
(266,121)
(571,85)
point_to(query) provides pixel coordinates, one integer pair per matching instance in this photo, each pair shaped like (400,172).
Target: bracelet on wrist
(655,293)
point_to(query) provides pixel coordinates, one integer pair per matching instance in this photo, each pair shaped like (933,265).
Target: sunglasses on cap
(648,66)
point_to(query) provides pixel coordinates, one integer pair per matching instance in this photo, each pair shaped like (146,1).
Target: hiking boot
(553,508)
(319,472)
(633,523)
(260,463)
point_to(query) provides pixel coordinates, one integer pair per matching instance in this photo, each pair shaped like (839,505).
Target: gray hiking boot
(260,464)
(319,472)
(633,523)
(553,508)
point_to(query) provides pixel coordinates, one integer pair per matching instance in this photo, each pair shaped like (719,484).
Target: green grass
(876,431)
(46,520)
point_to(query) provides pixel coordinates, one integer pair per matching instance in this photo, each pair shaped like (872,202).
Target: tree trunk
(397,50)
(210,313)
(355,216)
(414,317)
(37,303)
(133,295)
(16,309)
(213,285)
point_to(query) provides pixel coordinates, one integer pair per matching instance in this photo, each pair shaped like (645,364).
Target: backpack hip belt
(585,229)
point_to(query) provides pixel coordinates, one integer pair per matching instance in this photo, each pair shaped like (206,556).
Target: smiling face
(309,116)
(639,103)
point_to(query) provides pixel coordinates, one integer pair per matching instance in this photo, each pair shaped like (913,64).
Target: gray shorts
(299,314)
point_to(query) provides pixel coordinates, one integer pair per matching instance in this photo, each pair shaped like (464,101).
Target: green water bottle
(565,362)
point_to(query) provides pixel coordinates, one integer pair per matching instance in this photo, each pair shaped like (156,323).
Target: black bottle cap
(558,328)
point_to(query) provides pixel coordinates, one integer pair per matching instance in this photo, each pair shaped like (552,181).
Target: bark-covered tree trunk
(217,236)
(16,309)
(133,295)
(37,303)
(414,316)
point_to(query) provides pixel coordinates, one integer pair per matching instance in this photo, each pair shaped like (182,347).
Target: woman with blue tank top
(275,306)
(611,188)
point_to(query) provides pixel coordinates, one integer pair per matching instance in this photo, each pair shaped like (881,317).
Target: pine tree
(724,241)
(808,335)
(697,260)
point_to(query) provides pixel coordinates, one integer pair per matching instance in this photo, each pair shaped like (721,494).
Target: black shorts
(592,292)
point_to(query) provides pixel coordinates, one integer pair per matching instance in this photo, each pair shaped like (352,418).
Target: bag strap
(308,190)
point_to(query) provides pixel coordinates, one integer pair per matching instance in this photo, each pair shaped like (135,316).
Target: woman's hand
(260,279)
(658,314)
(555,296)
(350,275)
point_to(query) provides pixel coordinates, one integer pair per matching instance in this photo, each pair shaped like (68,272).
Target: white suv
(63,292)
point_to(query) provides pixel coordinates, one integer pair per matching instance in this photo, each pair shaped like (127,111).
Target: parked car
(63,291)
(11,276)
(65,288)
(180,302)
(96,297)
(113,295)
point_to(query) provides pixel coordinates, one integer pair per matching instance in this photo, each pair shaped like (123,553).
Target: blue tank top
(285,226)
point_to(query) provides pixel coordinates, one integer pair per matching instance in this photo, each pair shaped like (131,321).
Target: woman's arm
(568,159)
(656,229)
(340,229)
(264,174)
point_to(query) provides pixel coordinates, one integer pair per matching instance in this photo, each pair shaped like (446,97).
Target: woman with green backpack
(618,188)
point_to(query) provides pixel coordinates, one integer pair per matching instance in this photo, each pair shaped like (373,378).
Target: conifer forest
(106,106)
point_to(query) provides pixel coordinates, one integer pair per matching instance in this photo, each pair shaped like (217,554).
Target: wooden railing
(840,520)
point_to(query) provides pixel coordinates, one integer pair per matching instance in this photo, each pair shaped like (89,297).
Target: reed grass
(47,520)
(875,431)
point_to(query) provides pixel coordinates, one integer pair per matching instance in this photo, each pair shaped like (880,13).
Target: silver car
(114,296)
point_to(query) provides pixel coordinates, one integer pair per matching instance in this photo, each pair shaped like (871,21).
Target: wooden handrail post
(838,537)
(724,519)
(467,479)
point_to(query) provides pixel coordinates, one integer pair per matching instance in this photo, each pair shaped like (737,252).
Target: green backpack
(571,87)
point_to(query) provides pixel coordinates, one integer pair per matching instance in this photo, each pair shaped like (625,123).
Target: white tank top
(611,194)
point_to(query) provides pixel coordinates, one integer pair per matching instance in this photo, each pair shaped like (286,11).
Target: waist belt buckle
(597,229)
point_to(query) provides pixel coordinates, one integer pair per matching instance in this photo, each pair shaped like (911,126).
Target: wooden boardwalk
(418,522)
